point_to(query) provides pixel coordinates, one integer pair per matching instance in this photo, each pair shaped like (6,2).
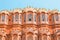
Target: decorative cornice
(17,10)
(29,8)
(42,10)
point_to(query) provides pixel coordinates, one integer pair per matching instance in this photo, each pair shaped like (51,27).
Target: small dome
(17,10)
(42,10)
(29,9)
(55,11)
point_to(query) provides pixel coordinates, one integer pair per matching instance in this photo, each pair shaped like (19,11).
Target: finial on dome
(29,7)
(36,8)
(39,8)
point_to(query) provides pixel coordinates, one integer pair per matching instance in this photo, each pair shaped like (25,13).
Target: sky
(12,4)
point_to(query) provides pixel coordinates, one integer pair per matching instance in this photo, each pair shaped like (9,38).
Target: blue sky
(11,4)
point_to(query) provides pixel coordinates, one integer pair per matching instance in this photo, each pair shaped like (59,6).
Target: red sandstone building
(30,24)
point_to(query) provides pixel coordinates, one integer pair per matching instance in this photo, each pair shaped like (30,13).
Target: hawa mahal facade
(30,24)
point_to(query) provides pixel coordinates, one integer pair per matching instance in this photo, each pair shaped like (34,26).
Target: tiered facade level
(30,24)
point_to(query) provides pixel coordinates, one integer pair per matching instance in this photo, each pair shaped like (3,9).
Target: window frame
(16,17)
(44,36)
(24,17)
(30,17)
(56,17)
(43,17)
(15,36)
(29,36)
(35,15)
(3,18)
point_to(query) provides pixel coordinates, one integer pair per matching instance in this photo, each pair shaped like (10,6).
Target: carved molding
(44,31)
(2,31)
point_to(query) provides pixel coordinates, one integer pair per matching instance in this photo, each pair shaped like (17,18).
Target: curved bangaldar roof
(17,10)
(42,10)
(4,11)
(29,9)
(49,12)
(55,11)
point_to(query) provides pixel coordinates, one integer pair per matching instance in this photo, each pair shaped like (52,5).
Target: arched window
(40,37)
(30,37)
(58,37)
(16,17)
(15,37)
(0,37)
(23,37)
(3,18)
(49,37)
(30,17)
(56,17)
(43,17)
(36,38)
(19,37)
(44,37)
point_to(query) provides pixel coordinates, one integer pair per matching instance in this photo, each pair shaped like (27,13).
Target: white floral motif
(30,29)
(2,31)
(16,32)
(44,30)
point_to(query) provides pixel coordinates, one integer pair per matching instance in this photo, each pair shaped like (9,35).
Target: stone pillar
(31,37)
(23,37)
(52,36)
(8,37)
(35,37)
(48,37)
(39,37)
(19,37)
(3,37)
(12,37)
(44,37)
(26,36)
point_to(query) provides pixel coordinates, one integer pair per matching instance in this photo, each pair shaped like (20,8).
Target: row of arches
(17,34)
